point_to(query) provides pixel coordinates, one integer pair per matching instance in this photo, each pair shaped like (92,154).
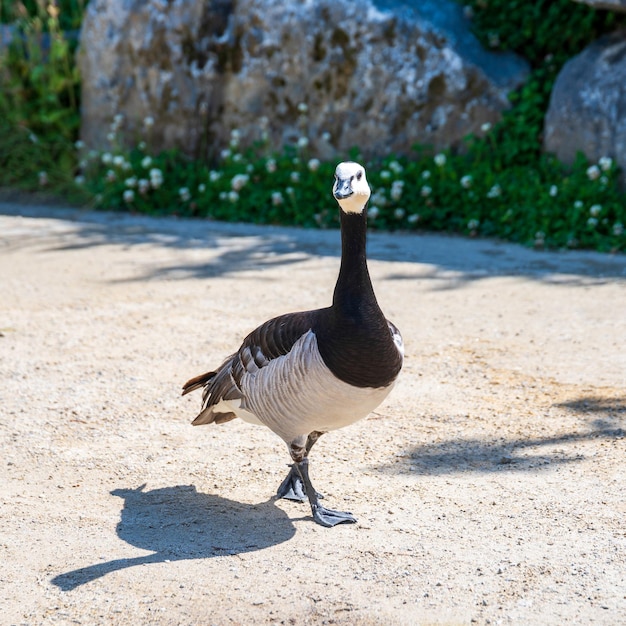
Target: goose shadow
(179,523)
(522,454)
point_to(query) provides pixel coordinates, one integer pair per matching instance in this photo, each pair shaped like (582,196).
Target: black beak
(343,188)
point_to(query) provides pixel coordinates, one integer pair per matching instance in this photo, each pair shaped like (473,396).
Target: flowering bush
(546,205)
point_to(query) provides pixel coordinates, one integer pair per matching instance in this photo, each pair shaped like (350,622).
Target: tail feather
(197,382)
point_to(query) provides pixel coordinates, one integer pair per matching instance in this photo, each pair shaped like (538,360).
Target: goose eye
(359,175)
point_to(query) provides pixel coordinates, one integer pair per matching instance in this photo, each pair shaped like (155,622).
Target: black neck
(354,287)
(353,336)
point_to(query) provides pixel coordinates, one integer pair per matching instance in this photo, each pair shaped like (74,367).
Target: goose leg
(292,488)
(322,515)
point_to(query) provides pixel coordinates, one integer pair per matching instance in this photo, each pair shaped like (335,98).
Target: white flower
(129,196)
(399,213)
(373,212)
(233,196)
(141,145)
(224,154)
(486,127)
(156,177)
(426,174)
(43,178)
(184,194)
(223,195)
(303,107)
(118,160)
(325,136)
(33,138)
(578,204)
(495,191)
(107,158)
(79,180)
(270,166)
(239,181)
(214,176)
(592,221)
(289,191)
(378,197)
(595,209)
(235,134)
(604,181)
(143,185)
(413,218)
(385,174)
(466,181)
(79,145)
(295,177)
(146,162)
(605,163)
(130,182)
(148,121)
(313,165)
(110,176)
(118,118)
(440,159)
(473,224)
(277,198)
(396,189)
(593,172)
(303,142)
(111,137)
(201,187)
(237,157)
(425,191)
(394,166)
(618,229)
(554,190)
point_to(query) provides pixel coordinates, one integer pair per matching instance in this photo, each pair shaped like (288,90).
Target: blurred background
(488,118)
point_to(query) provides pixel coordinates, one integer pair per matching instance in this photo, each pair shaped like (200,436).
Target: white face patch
(351,182)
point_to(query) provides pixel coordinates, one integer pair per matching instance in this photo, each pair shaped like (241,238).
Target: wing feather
(269,341)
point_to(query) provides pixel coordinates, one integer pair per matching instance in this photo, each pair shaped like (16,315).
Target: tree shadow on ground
(499,454)
(178,523)
(448,261)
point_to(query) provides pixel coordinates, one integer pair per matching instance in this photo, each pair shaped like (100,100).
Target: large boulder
(587,111)
(377,74)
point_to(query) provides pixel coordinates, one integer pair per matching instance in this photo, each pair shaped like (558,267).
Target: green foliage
(544,205)
(39,99)
(539,30)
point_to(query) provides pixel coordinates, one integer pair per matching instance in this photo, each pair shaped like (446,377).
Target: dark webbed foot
(323,516)
(329,518)
(292,488)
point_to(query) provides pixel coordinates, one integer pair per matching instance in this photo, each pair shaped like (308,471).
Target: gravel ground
(489,487)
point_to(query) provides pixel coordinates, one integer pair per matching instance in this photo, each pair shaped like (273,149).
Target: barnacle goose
(303,374)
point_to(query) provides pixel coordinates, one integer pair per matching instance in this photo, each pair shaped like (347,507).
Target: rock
(375,74)
(587,111)
(609,5)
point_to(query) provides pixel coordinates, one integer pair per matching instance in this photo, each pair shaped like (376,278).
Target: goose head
(351,189)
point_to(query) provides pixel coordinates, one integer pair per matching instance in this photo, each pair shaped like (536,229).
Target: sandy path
(489,487)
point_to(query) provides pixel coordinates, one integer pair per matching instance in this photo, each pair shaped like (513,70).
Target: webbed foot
(292,488)
(329,518)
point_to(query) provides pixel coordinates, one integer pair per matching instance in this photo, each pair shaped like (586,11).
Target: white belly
(296,394)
